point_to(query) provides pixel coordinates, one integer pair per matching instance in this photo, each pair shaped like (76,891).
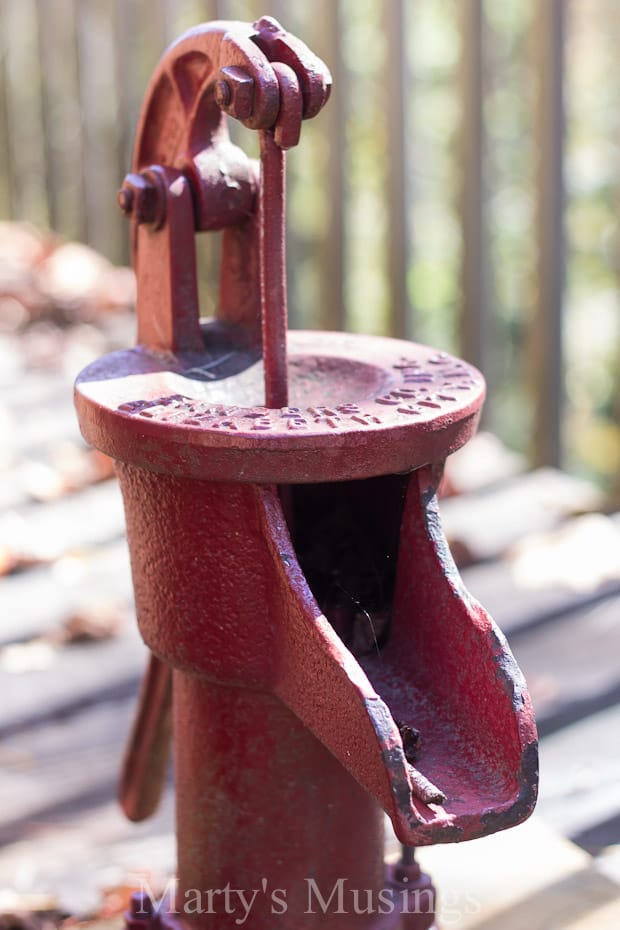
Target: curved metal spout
(445,669)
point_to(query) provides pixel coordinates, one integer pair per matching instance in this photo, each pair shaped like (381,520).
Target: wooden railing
(428,200)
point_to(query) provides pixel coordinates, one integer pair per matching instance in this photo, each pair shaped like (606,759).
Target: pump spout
(444,672)
(441,669)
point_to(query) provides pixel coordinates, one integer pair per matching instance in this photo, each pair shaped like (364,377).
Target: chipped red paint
(289,567)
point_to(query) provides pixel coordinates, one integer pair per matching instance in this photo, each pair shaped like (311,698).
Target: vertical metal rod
(273,269)
(546,353)
(407,855)
(474,316)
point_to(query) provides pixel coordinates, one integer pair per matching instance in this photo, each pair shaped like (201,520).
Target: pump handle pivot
(186,177)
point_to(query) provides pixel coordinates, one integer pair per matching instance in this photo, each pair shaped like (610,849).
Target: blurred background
(462,188)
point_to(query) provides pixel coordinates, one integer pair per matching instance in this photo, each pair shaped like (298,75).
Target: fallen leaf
(93,623)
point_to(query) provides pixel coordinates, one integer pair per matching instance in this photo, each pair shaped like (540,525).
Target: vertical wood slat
(474,322)
(49,87)
(27,191)
(397,182)
(546,331)
(99,106)
(62,138)
(333,315)
(140,37)
(6,172)
(127,101)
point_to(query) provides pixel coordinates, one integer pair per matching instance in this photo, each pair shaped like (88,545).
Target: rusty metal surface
(444,669)
(287,558)
(360,406)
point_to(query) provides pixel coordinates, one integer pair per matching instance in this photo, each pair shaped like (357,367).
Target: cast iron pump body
(307,625)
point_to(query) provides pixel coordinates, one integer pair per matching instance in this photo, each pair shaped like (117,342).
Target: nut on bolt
(142,199)
(234,92)
(141,914)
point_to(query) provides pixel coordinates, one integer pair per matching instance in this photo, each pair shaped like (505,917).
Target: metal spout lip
(447,670)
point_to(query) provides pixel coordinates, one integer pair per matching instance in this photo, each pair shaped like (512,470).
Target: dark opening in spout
(346,539)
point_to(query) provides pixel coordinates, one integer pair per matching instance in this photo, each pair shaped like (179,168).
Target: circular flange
(359,406)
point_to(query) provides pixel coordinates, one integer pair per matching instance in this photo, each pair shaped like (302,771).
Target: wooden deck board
(487,522)
(572,663)
(66,708)
(516,607)
(580,775)
(35,603)
(72,677)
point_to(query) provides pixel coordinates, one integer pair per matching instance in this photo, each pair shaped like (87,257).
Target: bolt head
(237,99)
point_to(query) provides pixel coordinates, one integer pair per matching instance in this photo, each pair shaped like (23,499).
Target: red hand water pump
(313,650)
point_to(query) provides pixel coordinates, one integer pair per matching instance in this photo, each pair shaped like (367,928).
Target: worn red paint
(287,557)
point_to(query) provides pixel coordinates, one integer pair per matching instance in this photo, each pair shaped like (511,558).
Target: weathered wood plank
(546,345)
(398,188)
(37,602)
(581,779)
(69,678)
(23,107)
(62,832)
(571,664)
(332,314)
(64,764)
(77,521)
(474,315)
(487,523)
(526,878)
(515,607)
(98,96)
(547,576)
(62,131)
(6,196)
